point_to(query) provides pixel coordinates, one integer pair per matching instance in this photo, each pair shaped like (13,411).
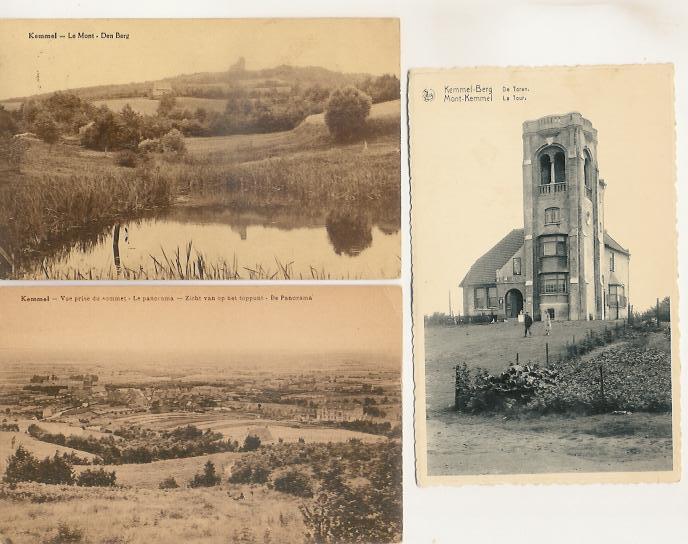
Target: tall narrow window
(545,170)
(480,298)
(492,297)
(612,263)
(517,266)
(559,168)
(588,174)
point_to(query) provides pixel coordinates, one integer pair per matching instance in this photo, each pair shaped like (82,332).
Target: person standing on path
(548,324)
(528,322)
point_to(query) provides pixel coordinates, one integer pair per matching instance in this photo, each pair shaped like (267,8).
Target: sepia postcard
(544,274)
(200,149)
(200,414)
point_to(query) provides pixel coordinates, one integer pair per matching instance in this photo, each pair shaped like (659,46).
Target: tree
(166,105)
(346,113)
(55,471)
(208,479)
(251,443)
(21,467)
(46,129)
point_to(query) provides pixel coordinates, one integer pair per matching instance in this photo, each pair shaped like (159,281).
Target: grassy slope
(146,516)
(38,448)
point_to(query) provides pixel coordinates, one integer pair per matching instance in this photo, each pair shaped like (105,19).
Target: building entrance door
(514,303)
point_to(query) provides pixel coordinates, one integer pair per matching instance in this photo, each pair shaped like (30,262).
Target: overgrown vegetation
(143,446)
(632,375)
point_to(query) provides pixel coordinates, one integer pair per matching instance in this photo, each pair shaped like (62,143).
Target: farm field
(236,428)
(491,347)
(139,104)
(147,516)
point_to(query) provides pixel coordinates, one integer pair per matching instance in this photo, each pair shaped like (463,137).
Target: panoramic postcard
(200,149)
(545,274)
(146,415)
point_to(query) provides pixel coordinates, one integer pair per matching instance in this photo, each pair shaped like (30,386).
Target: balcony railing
(550,188)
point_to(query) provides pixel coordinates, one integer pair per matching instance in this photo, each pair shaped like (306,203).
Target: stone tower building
(563,261)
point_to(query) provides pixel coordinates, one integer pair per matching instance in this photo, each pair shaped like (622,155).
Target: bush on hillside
(97,478)
(346,113)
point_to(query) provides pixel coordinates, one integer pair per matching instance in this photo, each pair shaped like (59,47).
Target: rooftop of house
(484,270)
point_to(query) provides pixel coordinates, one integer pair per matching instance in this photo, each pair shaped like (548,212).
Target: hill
(213,84)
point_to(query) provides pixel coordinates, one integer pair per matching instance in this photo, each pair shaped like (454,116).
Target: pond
(242,244)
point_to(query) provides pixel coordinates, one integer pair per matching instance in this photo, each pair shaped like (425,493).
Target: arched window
(545,170)
(552,165)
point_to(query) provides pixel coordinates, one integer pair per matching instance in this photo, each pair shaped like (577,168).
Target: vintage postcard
(545,274)
(200,149)
(200,414)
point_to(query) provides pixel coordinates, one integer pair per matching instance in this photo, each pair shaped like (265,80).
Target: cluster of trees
(147,446)
(22,466)
(335,508)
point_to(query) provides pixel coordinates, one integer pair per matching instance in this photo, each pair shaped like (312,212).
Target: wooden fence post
(457,387)
(115,246)
(547,353)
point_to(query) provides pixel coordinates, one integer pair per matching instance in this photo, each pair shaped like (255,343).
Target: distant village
(83,399)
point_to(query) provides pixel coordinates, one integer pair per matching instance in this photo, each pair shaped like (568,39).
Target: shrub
(250,472)
(46,129)
(169,483)
(67,535)
(173,141)
(126,158)
(149,145)
(294,482)
(9,427)
(96,478)
(346,113)
(208,478)
(251,443)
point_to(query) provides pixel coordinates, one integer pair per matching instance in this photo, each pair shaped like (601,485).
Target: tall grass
(188,264)
(42,209)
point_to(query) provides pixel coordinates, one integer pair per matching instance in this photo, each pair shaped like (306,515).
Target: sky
(466,169)
(358,320)
(162,48)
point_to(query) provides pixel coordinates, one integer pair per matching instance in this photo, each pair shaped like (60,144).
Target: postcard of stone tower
(206,414)
(544,274)
(208,149)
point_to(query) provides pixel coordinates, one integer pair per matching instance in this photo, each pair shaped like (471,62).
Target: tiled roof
(484,270)
(610,242)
